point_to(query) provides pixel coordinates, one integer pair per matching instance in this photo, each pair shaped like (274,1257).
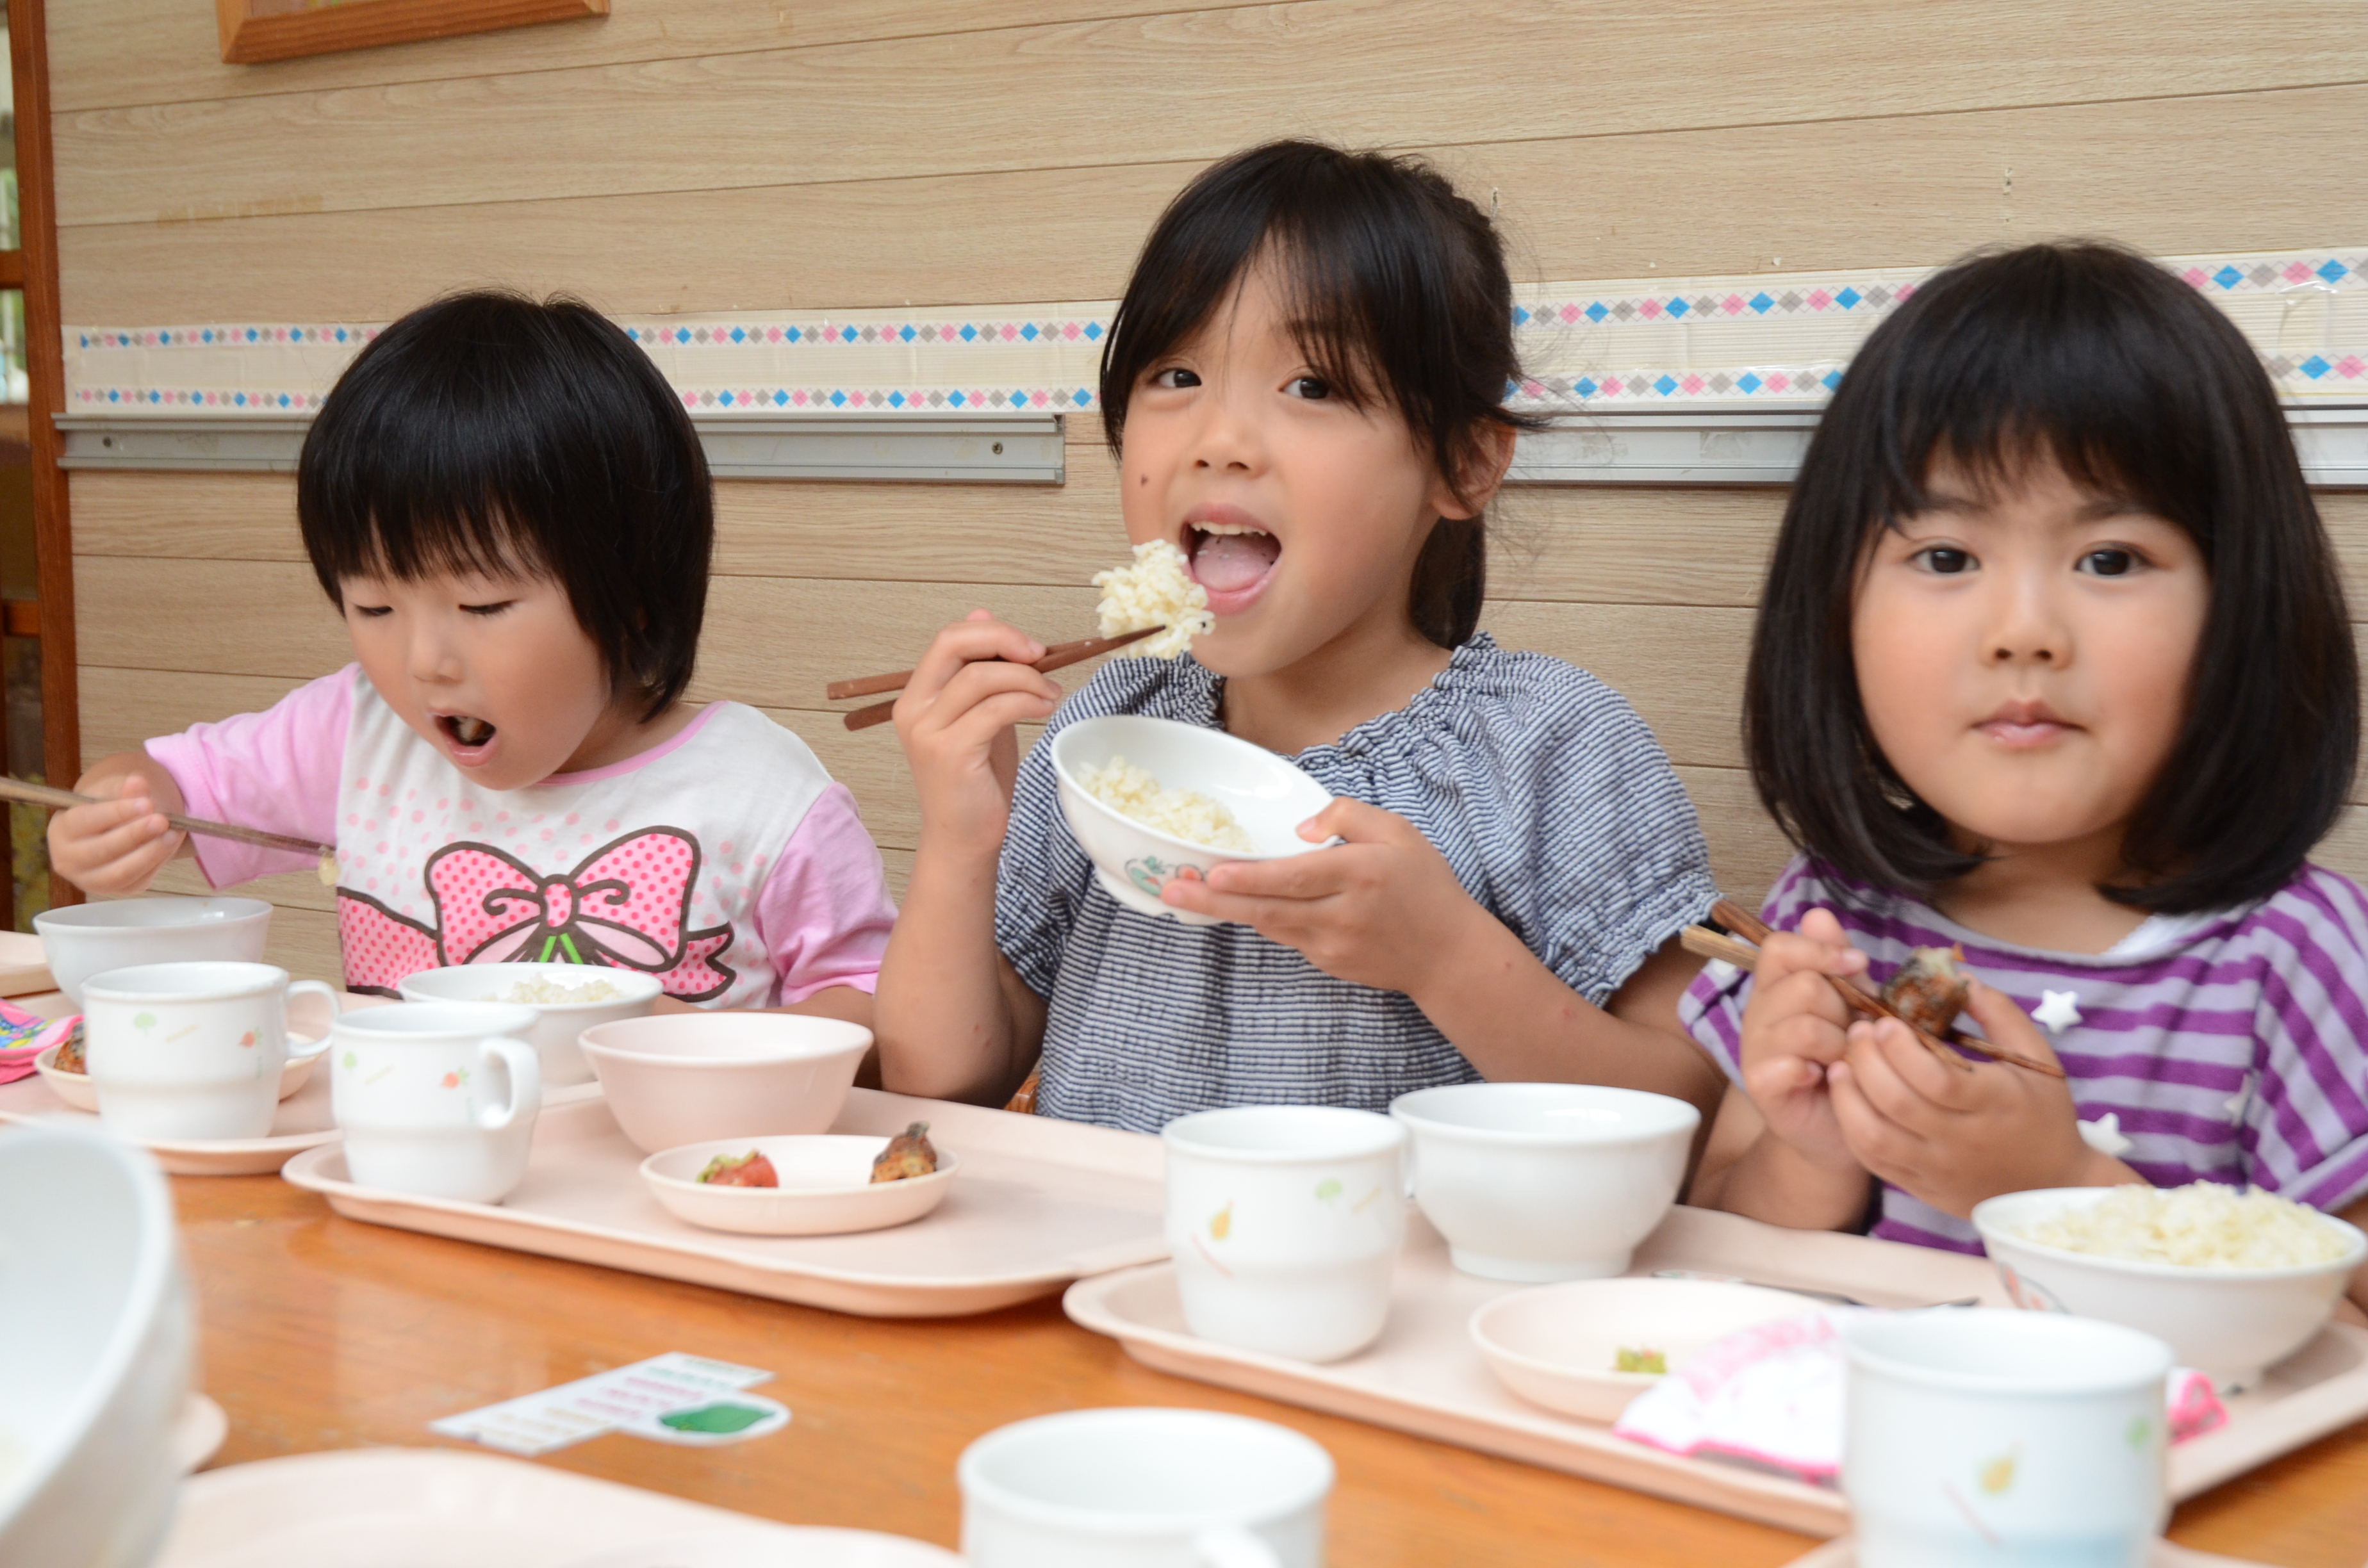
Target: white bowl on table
(677,1078)
(1268,796)
(97,1343)
(1539,1182)
(826,1186)
(91,938)
(1559,1346)
(2230,1324)
(558,1025)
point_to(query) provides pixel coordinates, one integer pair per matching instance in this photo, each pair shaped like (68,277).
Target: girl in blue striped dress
(2053,666)
(1304,391)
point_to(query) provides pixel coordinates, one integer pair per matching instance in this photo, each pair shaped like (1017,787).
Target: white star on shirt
(2059,1010)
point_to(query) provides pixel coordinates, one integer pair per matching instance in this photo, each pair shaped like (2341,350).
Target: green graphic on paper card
(714,1420)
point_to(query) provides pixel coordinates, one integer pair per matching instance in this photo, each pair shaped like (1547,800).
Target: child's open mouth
(1232,557)
(466,731)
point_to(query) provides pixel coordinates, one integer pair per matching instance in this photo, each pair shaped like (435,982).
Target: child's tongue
(1226,563)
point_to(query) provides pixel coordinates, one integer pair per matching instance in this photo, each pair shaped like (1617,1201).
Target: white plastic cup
(1285,1223)
(1979,1437)
(190,1052)
(1144,1488)
(437,1098)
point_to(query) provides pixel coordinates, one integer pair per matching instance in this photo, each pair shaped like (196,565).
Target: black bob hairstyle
(491,432)
(1397,289)
(2139,388)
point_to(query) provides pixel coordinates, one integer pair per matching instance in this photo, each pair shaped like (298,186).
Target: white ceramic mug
(413,1088)
(1137,1488)
(192,1050)
(1285,1223)
(1982,1436)
(1542,1182)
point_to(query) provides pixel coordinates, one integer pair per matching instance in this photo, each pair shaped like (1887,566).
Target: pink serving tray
(428,1507)
(1842,1554)
(1038,1203)
(1424,1377)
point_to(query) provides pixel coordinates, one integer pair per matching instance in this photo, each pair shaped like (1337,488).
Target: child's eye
(1175,378)
(487,610)
(1311,387)
(369,612)
(1945,560)
(2110,563)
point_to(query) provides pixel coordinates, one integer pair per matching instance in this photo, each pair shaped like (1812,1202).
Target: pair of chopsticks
(1059,656)
(1745,954)
(60,800)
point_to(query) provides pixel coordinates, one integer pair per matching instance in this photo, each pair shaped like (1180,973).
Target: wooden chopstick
(60,800)
(1742,922)
(1059,656)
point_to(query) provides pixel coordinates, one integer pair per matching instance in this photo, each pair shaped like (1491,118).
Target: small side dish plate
(1560,1346)
(303,1123)
(75,1090)
(826,1186)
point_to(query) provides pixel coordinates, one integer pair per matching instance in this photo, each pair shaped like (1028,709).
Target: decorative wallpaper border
(1707,342)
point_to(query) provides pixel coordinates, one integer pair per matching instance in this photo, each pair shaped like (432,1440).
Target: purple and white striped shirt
(2233,1048)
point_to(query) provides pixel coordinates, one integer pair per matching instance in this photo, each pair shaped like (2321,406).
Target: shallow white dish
(302,1121)
(1539,1182)
(1268,796)
(91,938)
(558,1025)
(75,1090)
(97,1342)
(678,1078)
(2231,1324)
(1558,1346)
(826,1187)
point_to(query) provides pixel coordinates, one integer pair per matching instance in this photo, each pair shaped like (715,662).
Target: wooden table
(323,1333)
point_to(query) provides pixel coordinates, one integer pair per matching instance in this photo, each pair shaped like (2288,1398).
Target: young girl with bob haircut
(2054,665)
(508,507)
(1305,391)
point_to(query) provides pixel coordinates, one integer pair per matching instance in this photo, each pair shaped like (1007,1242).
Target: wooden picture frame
(253,31)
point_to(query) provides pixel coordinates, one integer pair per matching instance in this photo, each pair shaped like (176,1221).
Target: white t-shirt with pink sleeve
(725,861)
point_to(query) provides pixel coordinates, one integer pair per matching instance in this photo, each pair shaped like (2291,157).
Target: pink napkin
(24,1036)
(1770,1397)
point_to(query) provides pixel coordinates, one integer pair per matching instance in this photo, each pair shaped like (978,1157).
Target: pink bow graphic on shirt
(626,904)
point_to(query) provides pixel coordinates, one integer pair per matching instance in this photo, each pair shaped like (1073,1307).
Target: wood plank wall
(754,155)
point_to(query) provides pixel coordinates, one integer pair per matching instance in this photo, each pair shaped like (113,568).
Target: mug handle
(329,993)
(1230,1546)
(525,1080)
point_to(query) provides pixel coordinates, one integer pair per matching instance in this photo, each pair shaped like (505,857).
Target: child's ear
(1485,461)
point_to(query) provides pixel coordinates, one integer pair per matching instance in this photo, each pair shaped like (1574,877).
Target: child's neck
(2045,895)
(1376,666)
(623,734)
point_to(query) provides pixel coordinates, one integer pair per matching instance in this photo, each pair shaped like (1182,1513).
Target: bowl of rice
(1154,802)
(568,998)
(2236,1281)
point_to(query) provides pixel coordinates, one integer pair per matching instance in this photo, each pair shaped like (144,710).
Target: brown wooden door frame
(45,370)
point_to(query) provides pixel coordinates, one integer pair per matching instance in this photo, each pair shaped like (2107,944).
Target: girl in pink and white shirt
(509,507)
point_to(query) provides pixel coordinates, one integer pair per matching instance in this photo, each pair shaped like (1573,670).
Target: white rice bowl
(2230,1319)
(1264,793)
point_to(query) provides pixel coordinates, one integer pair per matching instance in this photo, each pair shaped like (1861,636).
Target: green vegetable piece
(721,1420)
(1652,1362)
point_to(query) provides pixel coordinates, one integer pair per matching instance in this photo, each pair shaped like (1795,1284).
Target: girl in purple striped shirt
(2052,666)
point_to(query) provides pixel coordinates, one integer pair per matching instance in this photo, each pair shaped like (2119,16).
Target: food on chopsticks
(1930,990)
(1156,590)
(1133,792)
(2201,1225)
(751,1169)
(555,993)
(908,1154)
(325,868)
(1654,1362)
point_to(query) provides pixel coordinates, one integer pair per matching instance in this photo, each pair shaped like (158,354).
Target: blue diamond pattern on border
(780,398)
(2332,270)
(1520,315)
(240,401)
(739,334)
(209,334)
(1596,312)
(846,333)
(1084,397)
(1749,382)
(2227,277)
(968,333)
(155,397)
(1665,385)
(251,335)
(838,400)
(1761,303)
(1093,331)
(2314,366)
(1678,307)
(896,400)
(955,398)
(1586,386)
(907,335)
(1832,379)
(1848,299)
(1028,332)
